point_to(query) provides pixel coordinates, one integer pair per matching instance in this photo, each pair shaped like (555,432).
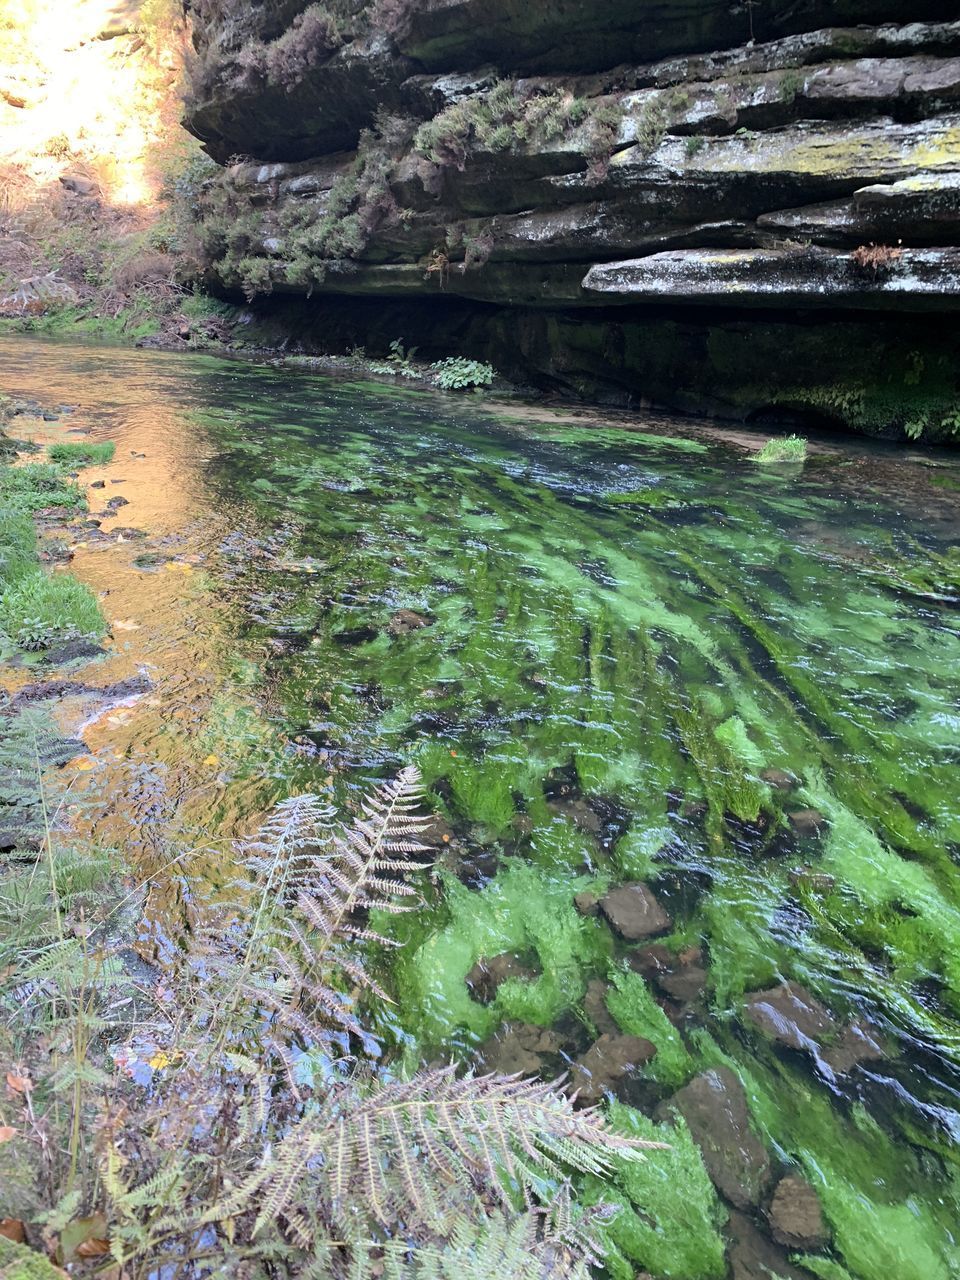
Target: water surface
(619,651)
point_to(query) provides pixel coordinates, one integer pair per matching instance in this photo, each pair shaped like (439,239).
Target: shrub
(457,372)
(785,449)
(18,543)
(81,455)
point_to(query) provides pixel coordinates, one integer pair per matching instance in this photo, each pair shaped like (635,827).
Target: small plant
(35,486)
(876,257)
(81,455)
(783,449)
(457,372)
(791,84)
(399,362)
(694,145)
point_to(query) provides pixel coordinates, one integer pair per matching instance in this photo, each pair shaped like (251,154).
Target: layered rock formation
(744,208)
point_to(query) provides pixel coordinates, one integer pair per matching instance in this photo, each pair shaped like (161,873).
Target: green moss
(18,546)
(785,449)
(524,911)
(638,1014)
(670,1218)
(17,1262)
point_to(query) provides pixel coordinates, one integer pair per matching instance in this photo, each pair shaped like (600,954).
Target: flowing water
(619,652)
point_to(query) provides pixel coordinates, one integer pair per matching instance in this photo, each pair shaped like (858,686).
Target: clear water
(628,624)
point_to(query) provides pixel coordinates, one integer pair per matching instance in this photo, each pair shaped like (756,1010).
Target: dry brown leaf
(13,1229)
(18,1083)
(93,1248)
(6,1133)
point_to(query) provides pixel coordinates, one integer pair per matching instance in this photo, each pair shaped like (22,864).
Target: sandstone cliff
(750,208)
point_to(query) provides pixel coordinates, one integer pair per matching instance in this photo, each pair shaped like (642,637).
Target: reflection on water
(618,656)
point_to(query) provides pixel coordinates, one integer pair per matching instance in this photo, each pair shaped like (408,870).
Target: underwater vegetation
(617,658)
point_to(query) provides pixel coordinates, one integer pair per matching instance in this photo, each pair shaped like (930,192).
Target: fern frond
(427,1148)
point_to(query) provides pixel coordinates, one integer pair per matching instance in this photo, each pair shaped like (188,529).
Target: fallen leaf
(178,566)
(95,1247)
(18,1083)
(13,1229)
(7,1132)
(159,1060)
(124,624)
(85,1238)
(212,760)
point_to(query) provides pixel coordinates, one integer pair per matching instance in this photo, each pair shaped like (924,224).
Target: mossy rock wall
(618,203)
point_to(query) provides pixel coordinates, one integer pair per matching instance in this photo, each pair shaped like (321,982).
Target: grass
(81,455)
(783,449)
(35,486)
(18,546)
(39,610)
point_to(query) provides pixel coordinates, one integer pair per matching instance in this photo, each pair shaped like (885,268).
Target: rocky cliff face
(745,208)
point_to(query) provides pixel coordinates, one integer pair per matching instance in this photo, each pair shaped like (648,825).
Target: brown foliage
(876,257)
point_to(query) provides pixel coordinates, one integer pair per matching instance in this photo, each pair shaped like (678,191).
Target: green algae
(638,1014)
(669,1217)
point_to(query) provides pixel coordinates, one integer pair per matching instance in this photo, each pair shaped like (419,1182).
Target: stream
(622,653)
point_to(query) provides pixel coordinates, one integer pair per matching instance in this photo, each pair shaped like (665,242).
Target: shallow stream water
(620,651)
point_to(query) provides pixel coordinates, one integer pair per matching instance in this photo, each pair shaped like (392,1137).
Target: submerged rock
(406,620)
(587,903)
(808,822)
(859,1043)
(606,1063)
(679,975)
(752,1256)
(595,1008)
(779,779)
(795,1217)
(790,1015)
(714,1106)
(634,913)
(486,976)
(519,1047)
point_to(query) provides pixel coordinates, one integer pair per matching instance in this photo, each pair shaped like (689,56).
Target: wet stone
(790,1015)
(808,822)
(634,913)
(795,1217)
(128,535)
(753,1257)
(486,976)
(857,1044)
(587,903)
(606,1063)
(406,620)
(714,1106)
(576,809)
(595,1008)
(519,1047)
(779,779)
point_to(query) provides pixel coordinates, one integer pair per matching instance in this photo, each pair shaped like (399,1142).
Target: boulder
(714,1106)
(634,913)
(519,1047)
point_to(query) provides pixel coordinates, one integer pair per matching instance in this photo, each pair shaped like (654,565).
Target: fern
(273,974)
(428,1151)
